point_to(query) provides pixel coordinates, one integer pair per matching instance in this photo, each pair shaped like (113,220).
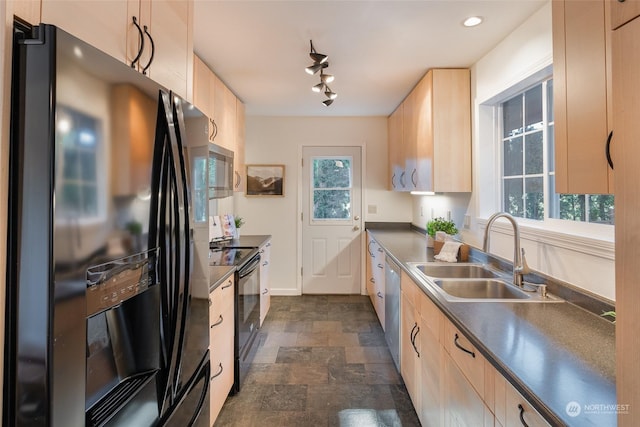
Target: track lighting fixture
(320,62)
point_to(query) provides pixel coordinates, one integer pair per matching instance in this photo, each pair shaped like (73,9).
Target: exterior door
(331,218)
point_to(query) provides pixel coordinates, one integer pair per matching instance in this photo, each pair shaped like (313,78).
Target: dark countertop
(218,273)
(553,353)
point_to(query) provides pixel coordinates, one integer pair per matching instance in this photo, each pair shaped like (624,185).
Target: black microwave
(220,167)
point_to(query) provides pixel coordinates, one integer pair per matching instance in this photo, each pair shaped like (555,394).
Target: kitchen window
(527,163)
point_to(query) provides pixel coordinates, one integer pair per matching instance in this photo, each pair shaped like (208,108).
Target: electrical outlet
(421,211)
(467,221)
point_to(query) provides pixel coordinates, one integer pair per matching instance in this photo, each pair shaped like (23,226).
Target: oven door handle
(249,267)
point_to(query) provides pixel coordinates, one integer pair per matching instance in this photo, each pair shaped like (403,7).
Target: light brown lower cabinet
(221,335)
(450,383)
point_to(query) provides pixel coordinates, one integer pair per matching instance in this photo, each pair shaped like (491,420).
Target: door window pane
(331,181)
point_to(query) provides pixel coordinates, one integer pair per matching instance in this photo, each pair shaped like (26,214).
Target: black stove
(223,253)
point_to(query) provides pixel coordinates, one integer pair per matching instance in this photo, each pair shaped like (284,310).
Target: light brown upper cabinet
(225,115)
(164,27)
(240,172)
(436,134)
(204,88)
(28,10)
(623,11)
(396,154)
(626,102)
(582,97)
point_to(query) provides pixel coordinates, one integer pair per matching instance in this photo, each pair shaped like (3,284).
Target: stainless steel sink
(481,289)
(456,271)
(473,282)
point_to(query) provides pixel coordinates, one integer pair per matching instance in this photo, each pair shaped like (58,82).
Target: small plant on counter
(441,224)
(239,221)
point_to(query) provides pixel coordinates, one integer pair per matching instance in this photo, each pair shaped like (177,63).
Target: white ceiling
(378,50)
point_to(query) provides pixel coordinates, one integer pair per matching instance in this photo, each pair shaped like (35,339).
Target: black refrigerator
(100,245)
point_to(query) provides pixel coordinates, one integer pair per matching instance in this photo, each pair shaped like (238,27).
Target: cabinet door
(580,52)
(379,276)
(105,24)
(409,345)
(463,406)
(623,12)
(202,82)
(168,22)
(221,346)
(451,127)
(431,384)
(626,97)
(265,287)
(408,179)
(224,115)
(238,159)
(396,154)
(466,357)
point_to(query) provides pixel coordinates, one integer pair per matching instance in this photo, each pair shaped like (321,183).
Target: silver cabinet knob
(356,228)
(357,217)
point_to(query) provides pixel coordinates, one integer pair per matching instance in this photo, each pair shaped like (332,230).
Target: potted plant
(439,224)
(239,223)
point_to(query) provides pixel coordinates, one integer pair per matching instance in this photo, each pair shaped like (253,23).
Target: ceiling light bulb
(312,69)
(318,88)
(327,78)
(327,102)
(330,94)
(472,21)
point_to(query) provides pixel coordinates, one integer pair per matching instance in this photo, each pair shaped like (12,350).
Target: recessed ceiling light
(472,21)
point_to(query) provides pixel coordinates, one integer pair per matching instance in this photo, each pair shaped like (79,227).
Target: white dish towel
(449,252)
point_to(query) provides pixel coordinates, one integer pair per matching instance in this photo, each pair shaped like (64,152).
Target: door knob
(357,217)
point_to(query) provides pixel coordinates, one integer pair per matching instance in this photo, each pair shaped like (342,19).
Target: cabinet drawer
(466,357)
(410,289)
(221,356)
(221,299)
(511,409)
(623,12)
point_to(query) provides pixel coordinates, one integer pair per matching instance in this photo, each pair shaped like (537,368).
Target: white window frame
(589,238)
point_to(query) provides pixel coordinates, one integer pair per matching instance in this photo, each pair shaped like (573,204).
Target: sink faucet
(520,267)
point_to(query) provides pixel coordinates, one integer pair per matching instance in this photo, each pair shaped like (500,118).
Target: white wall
(278,140)
(524,54)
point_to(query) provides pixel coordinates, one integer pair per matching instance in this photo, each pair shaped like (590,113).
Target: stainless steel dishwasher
(392,308)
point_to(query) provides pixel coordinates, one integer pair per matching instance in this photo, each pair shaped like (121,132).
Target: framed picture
(265,180)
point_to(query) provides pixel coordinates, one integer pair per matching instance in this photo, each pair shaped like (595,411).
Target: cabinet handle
(411,333)
(239,179)
(372,280)
(214,130)
(153,51)
(393,182)
(133,63)
(379,295)
(219,372)
(620,1)
(413,180)
(369,248)
(265,291)
(524,423)
(413,339)
(380,265)
(264,264)
(226,286)
(218,322)
(608,147)
(380,250)
(455,341)
(402,180)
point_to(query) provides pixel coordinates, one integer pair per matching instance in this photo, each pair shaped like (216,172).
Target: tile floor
(322,361)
